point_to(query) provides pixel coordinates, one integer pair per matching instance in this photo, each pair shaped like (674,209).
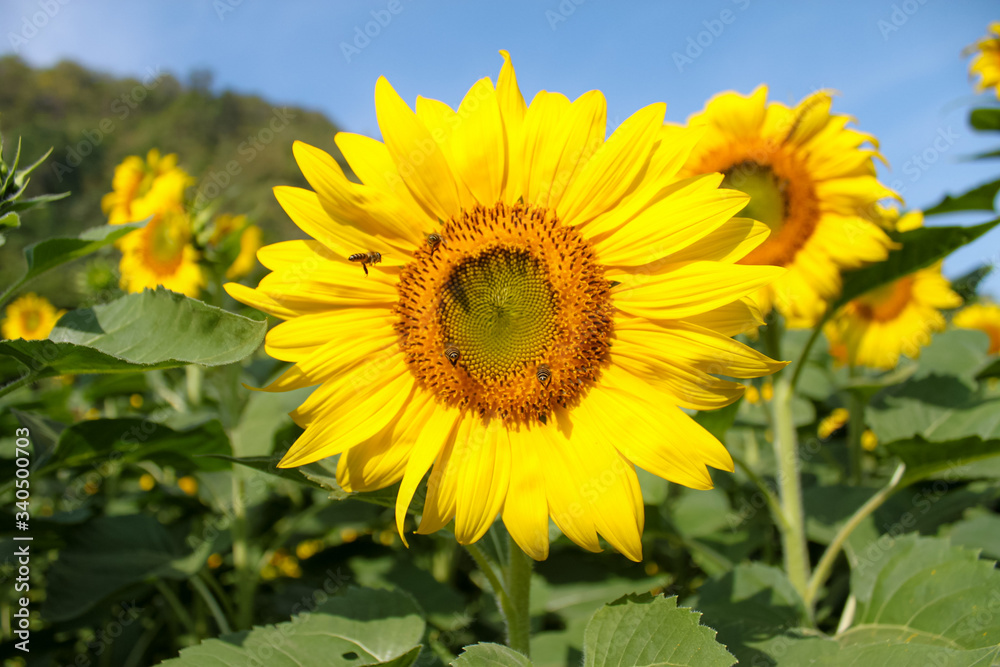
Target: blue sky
(896,64)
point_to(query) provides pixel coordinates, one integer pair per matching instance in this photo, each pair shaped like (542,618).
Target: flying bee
(434,241)
(452,353)
(543,374)
(366,258)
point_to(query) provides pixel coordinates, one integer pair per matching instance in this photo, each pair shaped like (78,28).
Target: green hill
(237,146)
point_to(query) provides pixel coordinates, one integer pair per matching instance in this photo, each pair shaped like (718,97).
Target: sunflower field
(522,387)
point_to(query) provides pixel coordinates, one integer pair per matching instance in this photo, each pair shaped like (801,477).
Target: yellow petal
(609,174)
(482,464)
(688,289)
(525,511)
(513,109)
(479,147)
(420,161)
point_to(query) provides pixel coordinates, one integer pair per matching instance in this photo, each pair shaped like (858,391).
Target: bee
(366,258)
(434,240)
(452,353)
(543,374)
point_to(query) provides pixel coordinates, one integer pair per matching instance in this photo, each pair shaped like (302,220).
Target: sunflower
(984,317)
(133,198)
(515,301)
(161,254)
(811,181)
(899,318)
(986,65)
(30,317)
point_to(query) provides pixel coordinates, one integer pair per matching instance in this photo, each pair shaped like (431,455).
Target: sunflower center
(498,309)
(509,315)
(164,244)
(768,202)
(887,302)
(30,320)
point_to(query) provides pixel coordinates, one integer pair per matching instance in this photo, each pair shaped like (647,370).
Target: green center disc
(498,308)
(767,193)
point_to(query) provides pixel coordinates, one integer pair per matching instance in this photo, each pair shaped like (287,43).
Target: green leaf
(643,631)
(359,628)
(952,460)
(10,220)
(920,248)
(797,649)
(922,590)
(154,329)
(717,422)
(967,285)
(490,655)
(50,253)
(985,120)
(107,554)
(749,606)
(991,370)
(158,326)
(979,198)
(132,440)
(45,434)
(978,532)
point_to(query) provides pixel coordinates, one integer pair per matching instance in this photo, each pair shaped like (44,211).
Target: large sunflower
(811,181)
(537,305)
(986,65)
(899,318)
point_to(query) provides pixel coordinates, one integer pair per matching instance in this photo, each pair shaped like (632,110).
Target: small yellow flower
(767,390)
(651,569)
(214,561)
(135,400)
(348,535)
(225,224)
(188,485)
(869,440)
(832,423)
(752,395)
(308,549)
(386,537)
(30,317)
(147,482)
(161,254)
(92,413)
(140,188)
(250,242)
(982,316)
(986,65)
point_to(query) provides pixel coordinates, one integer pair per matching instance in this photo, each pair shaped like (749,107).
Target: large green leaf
(978,532)
(107,554)
(750,606)
(647,631)
(490,655)
(979,198)
(797,649)
(154,329)
(922,590)
(359,628)
(131,440)
(920,248)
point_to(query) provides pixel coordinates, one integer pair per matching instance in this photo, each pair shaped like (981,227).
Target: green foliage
(643,631)
(490,655)
(360,627)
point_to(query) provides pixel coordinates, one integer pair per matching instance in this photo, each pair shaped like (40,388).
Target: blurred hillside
(237,146)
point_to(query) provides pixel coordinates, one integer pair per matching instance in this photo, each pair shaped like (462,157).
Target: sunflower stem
(855,428)
(786,452)
(18,383)
(519,590)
